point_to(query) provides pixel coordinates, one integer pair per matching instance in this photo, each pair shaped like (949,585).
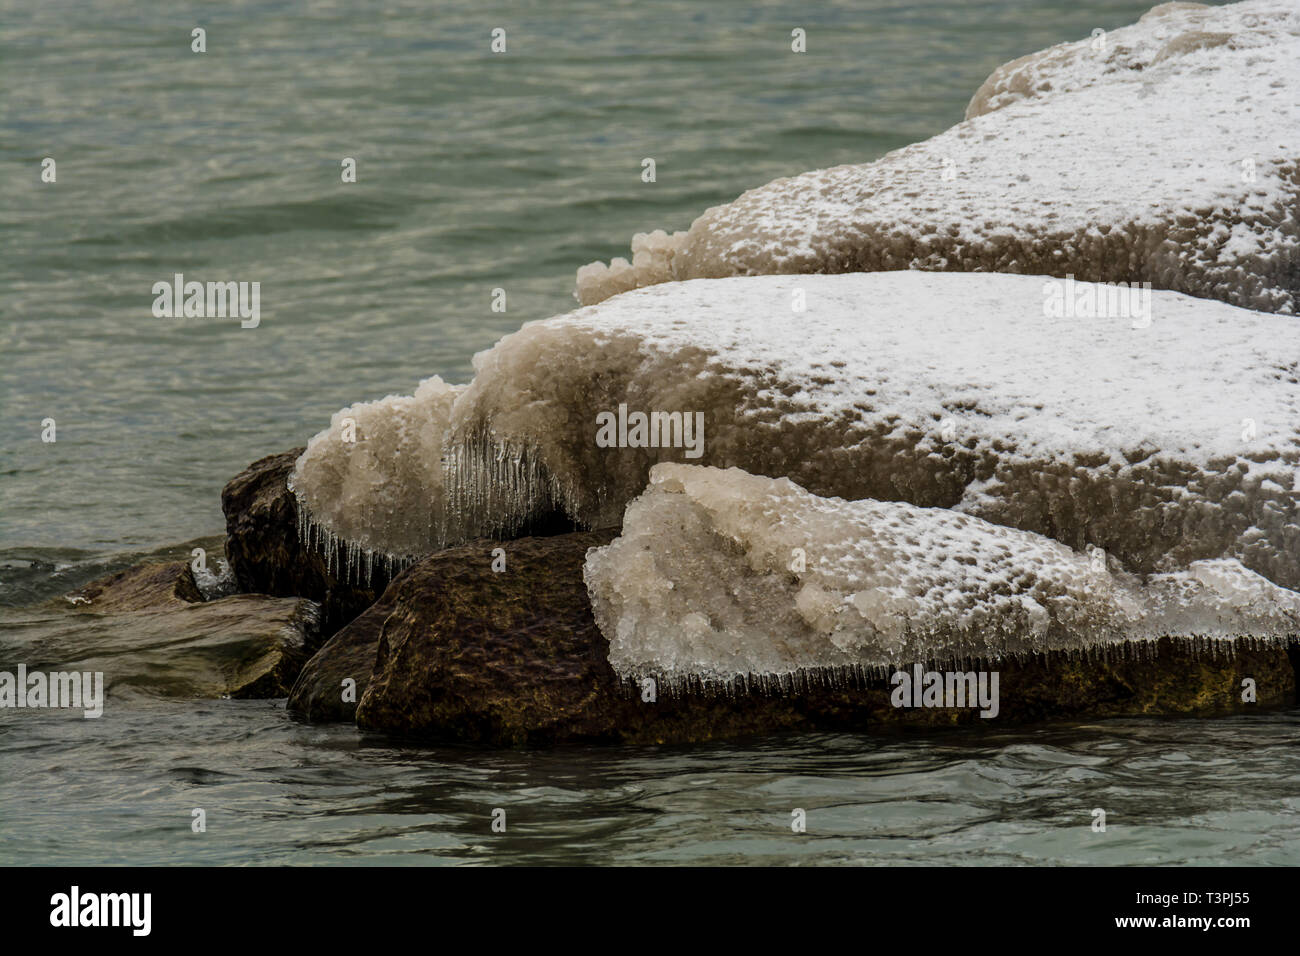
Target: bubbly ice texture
(1167,151)
(370,487)
(1162,444)
(720,574)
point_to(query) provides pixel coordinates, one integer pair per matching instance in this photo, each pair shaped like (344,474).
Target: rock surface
(515,658)
(511,657)
(266,552)
(142,587)
(149,631)
(317,695)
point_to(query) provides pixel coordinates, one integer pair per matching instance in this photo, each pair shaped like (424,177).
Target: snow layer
(1168,152)
(722,574)
(1162,444)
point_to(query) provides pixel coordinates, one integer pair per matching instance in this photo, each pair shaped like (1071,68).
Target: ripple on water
(275,790)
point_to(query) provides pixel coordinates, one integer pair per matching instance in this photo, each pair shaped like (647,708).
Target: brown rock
(317,696)
(511,657)
(145,586)
(148,630)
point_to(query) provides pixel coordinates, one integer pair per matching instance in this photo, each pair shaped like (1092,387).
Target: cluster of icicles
(860,677)
(491,490)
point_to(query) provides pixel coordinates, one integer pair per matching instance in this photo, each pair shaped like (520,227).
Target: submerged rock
(1166,152)
(267,554)
(719,575)
(149,631)
(516,658)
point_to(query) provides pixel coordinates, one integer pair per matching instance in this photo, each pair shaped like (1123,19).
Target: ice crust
(720,575)
(1162,445)
(1169,153)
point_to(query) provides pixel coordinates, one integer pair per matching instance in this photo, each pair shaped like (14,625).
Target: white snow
(1168,153)
(722,574)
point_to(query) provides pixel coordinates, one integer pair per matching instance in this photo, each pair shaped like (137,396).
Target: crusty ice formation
(1164,444)
(370,487)
(1163,438)
(1167,151)
(1164,31)
(720,575)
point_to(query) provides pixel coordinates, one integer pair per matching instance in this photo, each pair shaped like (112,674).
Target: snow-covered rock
(722,574)
(1167,151)
(1165,437)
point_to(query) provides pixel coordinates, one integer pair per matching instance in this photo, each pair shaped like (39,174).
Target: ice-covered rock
(722,574)
(1164,31)
(370,485)
(1165,437)
(1167,151)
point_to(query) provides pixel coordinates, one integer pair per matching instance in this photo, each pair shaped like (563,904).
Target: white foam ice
(719,575)
(1167,151)
(370,486)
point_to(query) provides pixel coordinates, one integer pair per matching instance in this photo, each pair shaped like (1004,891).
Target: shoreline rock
(473,657)
(148,629)
(141,587)
(317,694)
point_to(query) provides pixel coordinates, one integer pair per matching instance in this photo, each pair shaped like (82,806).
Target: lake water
(475,171)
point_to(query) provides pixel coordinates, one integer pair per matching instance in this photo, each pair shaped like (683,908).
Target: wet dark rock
(351,653)
(317,696)
(470,654)
(143,587)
